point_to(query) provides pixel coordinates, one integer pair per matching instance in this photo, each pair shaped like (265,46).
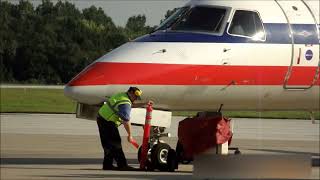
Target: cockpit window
(173,18)
(247,23)
(199,18)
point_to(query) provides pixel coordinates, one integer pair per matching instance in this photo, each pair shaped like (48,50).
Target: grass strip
(31,100)
(35,100)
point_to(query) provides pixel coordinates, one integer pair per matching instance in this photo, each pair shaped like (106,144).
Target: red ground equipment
(195,135)
(198,134)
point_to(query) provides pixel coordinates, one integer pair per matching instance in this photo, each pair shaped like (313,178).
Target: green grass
(35,100)
(54,101)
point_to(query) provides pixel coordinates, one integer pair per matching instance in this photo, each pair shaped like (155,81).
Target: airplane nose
(98,80)
(85,94)
(74,92)
(84,88)
(89,76)
(69,91)
(108,73)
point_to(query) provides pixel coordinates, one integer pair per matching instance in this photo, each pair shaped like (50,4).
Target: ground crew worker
(112,114)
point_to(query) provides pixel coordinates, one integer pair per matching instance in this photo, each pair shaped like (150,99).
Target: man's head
(134,93)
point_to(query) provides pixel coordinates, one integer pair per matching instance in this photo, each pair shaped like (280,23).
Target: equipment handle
(134,143)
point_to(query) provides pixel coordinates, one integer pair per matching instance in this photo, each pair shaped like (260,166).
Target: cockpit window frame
(249,37)
(170,17)
(223,23)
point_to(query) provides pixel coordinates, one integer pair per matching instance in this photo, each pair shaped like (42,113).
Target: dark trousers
(111,143)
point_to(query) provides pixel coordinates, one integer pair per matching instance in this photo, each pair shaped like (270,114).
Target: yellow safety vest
(109,111)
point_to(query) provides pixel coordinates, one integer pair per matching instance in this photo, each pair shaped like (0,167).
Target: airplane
(246,55)
(199,58)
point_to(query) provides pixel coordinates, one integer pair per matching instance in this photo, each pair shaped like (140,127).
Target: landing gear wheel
(149,164)
(237,151)
(159,155)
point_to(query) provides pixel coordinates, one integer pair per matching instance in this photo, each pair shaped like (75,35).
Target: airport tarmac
(59,146)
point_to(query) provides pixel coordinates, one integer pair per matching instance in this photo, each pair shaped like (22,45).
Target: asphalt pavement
(59,146)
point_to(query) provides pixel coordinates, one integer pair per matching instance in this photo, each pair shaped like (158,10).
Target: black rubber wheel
(172,160)
(159,155)
(140,150)
(149,165)
(237,151)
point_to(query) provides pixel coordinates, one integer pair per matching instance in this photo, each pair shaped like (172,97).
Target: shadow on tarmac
(171,176)
(128,175)
(81,161)
(61,161)
(93,169)
(78,161)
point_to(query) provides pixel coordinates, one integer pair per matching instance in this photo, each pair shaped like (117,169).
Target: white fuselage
(186,70)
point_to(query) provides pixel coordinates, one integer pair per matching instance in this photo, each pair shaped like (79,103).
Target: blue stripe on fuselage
(276,34)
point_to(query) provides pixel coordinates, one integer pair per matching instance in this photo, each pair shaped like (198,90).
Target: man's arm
(127,126)
(124,114)
(142,104)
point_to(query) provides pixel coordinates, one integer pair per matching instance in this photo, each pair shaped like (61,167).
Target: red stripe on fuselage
(111,73)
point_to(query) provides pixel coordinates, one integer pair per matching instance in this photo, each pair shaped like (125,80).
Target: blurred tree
(136,27)
(8,41)
(168,14)
(136,23)
(98,18)
(53,42)
(46,8)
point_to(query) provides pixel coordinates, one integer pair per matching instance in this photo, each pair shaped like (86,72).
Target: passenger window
(247,23)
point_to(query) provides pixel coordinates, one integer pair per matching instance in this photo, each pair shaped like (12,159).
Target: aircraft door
(304,33)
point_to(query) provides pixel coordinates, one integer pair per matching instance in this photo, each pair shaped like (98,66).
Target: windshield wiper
(173,23)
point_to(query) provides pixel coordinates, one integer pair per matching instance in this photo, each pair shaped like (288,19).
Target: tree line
(51,43)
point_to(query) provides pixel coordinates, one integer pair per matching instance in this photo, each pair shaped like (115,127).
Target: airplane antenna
(220,107)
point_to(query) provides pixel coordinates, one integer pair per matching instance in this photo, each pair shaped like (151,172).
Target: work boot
(127,168)
(109,167)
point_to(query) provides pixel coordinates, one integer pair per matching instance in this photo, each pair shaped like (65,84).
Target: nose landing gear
(158,151)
